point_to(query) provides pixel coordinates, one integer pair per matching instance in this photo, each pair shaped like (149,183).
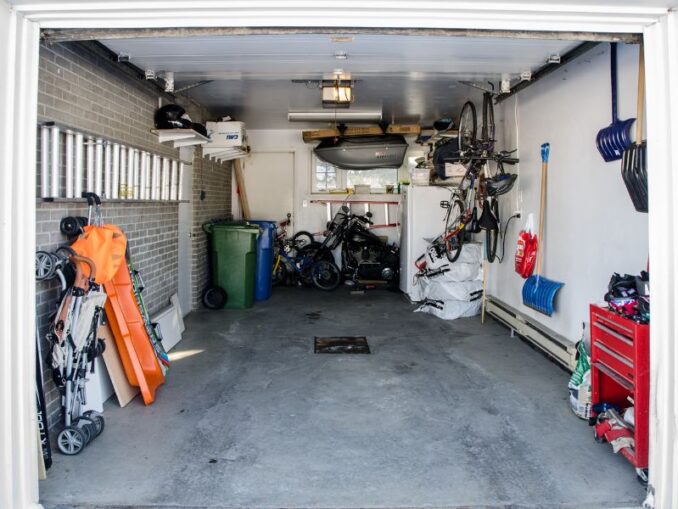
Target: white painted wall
(313,217)
(592,229)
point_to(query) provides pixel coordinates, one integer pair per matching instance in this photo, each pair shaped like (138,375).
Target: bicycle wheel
(488,121)
(468,126)
(492,236)
(302,239)
(453,237)
(326,275)
(279,271)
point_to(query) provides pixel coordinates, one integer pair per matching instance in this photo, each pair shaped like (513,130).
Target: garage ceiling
(413,78)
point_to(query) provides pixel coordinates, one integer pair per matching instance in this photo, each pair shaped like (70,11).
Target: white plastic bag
(451,309)
(436,289)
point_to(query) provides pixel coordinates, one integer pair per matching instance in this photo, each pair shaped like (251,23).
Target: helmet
(199,128)
(500,184)
(171,116)
(443,124)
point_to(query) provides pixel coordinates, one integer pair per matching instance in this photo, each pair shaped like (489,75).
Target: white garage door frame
(19,43)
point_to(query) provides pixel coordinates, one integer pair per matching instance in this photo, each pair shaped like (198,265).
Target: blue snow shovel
(539,292)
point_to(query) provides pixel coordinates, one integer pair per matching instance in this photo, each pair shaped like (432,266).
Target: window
(327,178)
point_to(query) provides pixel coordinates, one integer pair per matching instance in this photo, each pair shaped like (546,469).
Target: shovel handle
(613,79)
(545,150)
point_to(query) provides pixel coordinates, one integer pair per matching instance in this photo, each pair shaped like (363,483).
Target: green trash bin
(234,261)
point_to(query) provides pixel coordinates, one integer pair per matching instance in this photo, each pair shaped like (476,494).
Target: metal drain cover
(341,344)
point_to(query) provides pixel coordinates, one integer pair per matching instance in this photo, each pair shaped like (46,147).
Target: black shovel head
(634,174)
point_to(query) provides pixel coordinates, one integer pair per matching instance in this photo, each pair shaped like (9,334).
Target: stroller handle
(92,198)
(86,261)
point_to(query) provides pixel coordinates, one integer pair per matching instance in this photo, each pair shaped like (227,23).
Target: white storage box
(420,176)
(225,134)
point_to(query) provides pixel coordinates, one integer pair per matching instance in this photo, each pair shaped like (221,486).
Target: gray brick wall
(82,92)
(215,180)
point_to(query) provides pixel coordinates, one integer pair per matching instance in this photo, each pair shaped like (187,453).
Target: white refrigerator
(421,218)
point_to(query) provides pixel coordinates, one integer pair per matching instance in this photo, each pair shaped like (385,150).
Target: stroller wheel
(88,428)
(97,419)
(71,441)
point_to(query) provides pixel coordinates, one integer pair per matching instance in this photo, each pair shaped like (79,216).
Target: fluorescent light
(373,115)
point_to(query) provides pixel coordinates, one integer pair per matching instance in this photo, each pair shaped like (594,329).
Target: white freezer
(421,218)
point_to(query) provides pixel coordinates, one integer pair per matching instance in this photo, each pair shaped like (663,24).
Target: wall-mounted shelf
(225,154)
(180,137)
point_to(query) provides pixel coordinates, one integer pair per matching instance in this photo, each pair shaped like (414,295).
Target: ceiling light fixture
(338,92)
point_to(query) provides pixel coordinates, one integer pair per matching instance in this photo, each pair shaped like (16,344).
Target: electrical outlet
(304,203)
(517,214)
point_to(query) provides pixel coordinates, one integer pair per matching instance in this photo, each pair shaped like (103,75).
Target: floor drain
(341,344)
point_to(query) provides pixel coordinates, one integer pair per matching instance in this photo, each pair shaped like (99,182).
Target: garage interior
(454,413)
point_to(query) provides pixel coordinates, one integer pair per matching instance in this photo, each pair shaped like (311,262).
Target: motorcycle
(364,256)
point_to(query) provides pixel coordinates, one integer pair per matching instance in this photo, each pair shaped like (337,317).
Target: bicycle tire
(326,275)
(454,220)
(302,239)
(492,236)
(488,129)
(467,133)
(279,275)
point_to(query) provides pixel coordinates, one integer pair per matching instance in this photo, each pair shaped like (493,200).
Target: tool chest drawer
(620,359)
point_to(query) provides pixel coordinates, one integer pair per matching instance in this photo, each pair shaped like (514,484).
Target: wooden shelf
(180,137)
(225,154)
(436,137)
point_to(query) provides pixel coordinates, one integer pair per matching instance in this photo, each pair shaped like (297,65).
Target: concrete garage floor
(441,414)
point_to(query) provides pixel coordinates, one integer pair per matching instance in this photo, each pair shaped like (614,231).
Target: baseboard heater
(551,343)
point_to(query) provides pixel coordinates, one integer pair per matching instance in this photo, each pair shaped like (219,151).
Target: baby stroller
(74,346)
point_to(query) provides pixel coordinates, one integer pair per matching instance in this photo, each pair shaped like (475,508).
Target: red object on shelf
(620,368)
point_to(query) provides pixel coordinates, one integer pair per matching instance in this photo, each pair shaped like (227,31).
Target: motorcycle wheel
(326,275)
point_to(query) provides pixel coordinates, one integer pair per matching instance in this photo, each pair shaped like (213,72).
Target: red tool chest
(620,368)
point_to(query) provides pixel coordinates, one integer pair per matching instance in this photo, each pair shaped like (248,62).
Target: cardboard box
(225,134)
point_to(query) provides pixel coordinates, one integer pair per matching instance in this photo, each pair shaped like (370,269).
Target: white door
(185,258)
(269,184)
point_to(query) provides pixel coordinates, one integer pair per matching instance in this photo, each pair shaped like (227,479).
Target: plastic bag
(526,250)
(450,309)
(579,385)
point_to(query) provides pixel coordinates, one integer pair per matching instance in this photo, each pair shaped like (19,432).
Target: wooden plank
(403,129)
(242,194)
(319,134)
(363,131)
(124,392)
(42,470)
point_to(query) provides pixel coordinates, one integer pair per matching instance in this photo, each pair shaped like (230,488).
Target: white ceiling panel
(413,78)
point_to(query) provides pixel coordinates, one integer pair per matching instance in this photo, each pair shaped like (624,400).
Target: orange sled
(136,351)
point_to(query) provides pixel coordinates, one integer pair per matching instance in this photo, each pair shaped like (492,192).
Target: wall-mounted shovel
(615,138)
(539,292)
(634,161)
